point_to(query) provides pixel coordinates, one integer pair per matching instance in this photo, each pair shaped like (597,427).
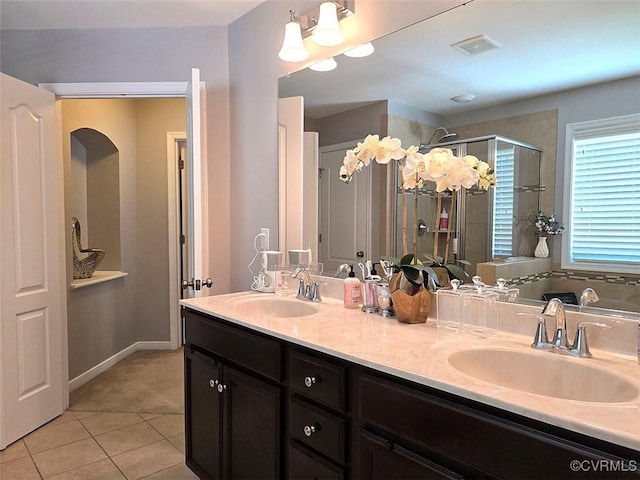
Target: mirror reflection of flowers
(547,224)
(440,165)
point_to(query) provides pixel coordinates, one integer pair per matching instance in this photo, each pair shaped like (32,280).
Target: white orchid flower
(389,149)
(470,160)
(368,149)
(439,165)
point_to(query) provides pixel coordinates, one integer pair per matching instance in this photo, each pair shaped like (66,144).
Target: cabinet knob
(310,381)
(221,387)
(311,429)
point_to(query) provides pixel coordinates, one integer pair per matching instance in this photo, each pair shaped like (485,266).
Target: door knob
(360,254)
(197,284)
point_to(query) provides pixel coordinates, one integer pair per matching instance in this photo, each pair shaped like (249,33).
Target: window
(503,202)
(602,196)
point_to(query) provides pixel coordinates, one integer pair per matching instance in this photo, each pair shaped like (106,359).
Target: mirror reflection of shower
(447,137)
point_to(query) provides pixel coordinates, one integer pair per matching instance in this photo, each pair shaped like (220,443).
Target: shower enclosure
(485,224)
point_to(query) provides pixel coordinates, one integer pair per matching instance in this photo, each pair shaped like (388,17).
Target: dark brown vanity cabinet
(233,417)
(262,408)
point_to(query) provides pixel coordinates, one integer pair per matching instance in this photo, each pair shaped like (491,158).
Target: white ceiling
(51,14)
(546,46)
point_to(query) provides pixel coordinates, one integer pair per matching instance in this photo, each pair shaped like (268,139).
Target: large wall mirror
(541,65)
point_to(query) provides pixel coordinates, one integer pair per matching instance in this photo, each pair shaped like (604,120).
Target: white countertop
(419,353)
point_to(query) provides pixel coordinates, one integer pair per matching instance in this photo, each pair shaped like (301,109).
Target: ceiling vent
(475,45)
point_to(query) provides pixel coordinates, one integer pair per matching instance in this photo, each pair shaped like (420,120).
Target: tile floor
(100,446)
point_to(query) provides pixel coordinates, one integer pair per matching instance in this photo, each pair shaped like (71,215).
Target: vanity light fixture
(293,49)
(327,32)
(324,65)
(321,23)
(363,50)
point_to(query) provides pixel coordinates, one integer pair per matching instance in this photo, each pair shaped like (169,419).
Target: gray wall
(154,118)
(352,125)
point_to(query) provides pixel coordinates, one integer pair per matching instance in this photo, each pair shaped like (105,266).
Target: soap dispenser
(352,290)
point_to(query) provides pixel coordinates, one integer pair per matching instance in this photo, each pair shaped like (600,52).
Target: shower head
(448,136)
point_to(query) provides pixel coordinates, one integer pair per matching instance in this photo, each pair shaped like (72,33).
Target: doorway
(141,311)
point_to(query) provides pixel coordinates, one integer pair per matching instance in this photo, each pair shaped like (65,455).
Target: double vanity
(282,388)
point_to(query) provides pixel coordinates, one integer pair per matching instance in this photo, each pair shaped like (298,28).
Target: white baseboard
(111,361)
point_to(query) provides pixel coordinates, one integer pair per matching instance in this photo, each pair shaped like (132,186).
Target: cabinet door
(379,459)
(203,415)
(253,427)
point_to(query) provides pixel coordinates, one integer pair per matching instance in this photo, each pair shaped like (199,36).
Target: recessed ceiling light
(463,98)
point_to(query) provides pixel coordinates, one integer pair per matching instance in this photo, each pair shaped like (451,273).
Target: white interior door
(196,236)
(345,211)
(33,381)
(290,173)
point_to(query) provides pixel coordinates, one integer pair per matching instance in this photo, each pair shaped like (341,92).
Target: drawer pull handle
(212,383)
(310,381)
(311,429)
(221,388)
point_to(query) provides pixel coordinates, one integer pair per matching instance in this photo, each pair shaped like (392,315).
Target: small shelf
(99,276)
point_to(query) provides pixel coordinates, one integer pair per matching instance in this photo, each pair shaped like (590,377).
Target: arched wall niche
(95,193)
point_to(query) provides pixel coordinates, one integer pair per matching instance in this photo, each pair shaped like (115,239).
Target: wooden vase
(411,302)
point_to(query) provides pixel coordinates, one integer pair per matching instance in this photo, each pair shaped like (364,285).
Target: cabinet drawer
(378,458)
(304,465)
(252,351)
(318,379)
(318,429)
(466,437)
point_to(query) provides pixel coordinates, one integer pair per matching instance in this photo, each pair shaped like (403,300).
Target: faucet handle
(540,339)
(315,292)
(580,345)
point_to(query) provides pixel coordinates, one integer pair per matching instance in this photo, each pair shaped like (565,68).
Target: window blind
(503,203)
(605,209)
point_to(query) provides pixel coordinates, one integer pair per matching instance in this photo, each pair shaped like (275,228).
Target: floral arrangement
(440,165)
(547,224)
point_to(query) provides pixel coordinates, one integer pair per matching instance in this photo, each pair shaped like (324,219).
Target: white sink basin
(274,307)
(544,373)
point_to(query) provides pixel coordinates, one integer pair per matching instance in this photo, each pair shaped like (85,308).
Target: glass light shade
(327,33)
(363,50)
(293,49)
(324,65)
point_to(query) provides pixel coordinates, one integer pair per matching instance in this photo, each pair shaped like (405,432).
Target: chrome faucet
(307,290)
(588,295)
(555,308)
(559,344)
